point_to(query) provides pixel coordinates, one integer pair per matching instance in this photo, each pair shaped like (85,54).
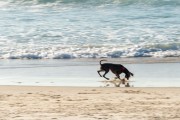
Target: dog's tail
(101,61)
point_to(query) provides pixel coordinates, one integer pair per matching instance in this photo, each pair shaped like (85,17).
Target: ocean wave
(71,52)
(61,29)
(97,2)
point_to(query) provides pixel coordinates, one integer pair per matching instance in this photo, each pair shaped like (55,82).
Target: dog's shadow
(116,83)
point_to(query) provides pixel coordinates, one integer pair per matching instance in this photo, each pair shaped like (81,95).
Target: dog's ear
(131,74)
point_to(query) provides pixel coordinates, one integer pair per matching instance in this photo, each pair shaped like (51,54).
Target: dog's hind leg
(106,71)
(99,72)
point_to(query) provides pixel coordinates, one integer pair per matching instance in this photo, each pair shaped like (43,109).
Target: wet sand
(148,72)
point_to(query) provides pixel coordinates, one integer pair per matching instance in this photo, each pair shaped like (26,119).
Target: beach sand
(89,103)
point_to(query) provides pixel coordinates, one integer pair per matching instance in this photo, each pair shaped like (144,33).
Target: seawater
(83,73)
(65,29)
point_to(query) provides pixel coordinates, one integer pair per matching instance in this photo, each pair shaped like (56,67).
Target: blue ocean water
(65,29)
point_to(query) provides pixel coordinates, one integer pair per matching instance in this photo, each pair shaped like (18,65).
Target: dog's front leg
(117,75)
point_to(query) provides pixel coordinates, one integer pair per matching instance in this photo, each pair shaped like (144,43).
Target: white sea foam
(69,52)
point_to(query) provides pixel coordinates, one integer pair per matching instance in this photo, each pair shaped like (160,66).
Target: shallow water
(83,73)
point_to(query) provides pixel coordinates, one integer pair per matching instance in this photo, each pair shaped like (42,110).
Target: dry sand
(80,103)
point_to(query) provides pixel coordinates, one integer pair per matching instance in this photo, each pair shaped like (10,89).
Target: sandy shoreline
(84,73)
(88,103)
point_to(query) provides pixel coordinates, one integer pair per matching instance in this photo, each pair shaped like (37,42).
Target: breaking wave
(70,52)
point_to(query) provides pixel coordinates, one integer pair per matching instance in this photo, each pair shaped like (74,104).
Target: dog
(117,69)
